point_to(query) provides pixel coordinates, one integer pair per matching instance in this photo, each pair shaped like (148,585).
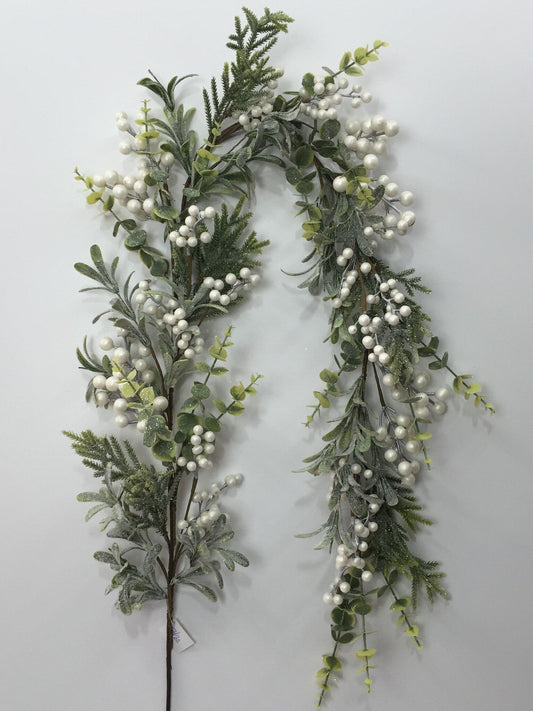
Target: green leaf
(365,653)
(308,83)
(200,391)
(345,60)
(402,603)
(104,557)
(346,638)
(343,619)
(238,392)
(185,421)
(331,662)
(211,423)
(93,198)
(166,212)
(94,510)
(147,395)
(361,607)
(305,187)
(412,631)
(304,156)
(330,129)
(165,451)
(322,673)
(135,239)
(328,376)
(236,409)
(218,370)
(353,71)
(218,352)
(156,429)
(293,175)
(204,589)
(202,367)
(422,435)
(458,384)
(220,405)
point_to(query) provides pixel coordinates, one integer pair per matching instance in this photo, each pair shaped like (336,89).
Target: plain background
(457,78)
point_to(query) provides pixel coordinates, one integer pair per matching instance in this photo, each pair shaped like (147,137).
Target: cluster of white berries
(203,443)
(395,219)
(110,389)
(327,95)
(130,191)
(351,556)
(396,435)
(401,447)
(348,281)
(169,314)
(367,325)
(367,139)
(224,291)
(251,118)
(208,510)
(186,234)
(140,142)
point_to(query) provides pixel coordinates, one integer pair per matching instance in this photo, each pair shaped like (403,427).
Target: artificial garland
(197,261)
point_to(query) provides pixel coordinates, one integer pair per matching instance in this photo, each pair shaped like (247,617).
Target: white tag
(182,639)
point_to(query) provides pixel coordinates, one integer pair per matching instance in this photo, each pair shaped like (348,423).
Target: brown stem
(380,391)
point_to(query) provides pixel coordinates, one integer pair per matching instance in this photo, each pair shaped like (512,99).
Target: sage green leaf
(135,239)
(93,198)
(330,129)
(166,212)
(361,607)
(220,405)
(200,391)
(322,399)
(211,423)
(236,409)
(238,392)
(343,619)
(185,421)
(293,175)
(304,156)
(305,187)
(156,429)
(104,557)
(208,592)
(332,663)
(218,352)
(164,450)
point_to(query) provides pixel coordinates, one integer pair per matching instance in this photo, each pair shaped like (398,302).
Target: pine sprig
(244,80)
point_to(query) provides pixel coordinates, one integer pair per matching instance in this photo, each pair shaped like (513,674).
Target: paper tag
(182,639)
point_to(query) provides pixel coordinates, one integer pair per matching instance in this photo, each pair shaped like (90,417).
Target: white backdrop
(457,78)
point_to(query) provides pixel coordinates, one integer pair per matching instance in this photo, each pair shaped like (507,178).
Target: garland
(197,262)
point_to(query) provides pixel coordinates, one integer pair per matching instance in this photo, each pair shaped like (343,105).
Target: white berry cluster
(208,510)
(167,313)
(130,374)
(401,444)
(130,191)
(203,446)
(351,556)
(321,104)
(224,291)
(251,118)
(187,234)
(140,142)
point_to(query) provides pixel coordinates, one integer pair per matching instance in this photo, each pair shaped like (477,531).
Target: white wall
(457,78)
